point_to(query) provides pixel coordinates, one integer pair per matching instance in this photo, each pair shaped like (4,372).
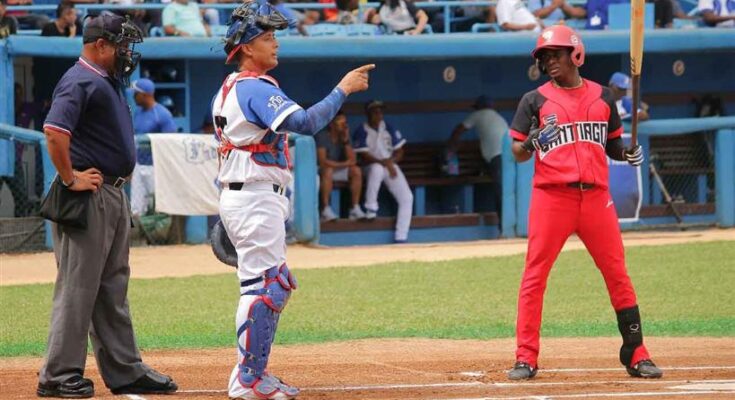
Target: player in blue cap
(619,85)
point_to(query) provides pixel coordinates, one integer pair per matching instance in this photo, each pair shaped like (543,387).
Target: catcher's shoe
(265,387)
(645,369)
(522,370)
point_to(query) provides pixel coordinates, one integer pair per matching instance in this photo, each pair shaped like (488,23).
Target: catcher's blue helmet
(250,20)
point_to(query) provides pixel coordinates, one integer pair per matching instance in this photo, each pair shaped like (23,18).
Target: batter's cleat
(75,387)
(522,370)
(645,369)
(328,214)
(370,214)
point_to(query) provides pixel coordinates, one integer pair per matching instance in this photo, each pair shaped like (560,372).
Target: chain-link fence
(21,190)
(683,166)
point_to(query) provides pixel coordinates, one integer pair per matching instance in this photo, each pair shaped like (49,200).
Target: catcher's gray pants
(90,296)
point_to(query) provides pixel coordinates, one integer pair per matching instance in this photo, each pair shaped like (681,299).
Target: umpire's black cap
(109,27)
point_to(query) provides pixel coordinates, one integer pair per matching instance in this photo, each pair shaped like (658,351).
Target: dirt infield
(695,368)
(178,261)
(571,368)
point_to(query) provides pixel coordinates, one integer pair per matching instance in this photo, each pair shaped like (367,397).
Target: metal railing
(447,7)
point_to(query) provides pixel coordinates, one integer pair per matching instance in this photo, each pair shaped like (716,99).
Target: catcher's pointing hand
(356,80)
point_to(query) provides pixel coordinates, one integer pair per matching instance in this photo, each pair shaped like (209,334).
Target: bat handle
(636,82)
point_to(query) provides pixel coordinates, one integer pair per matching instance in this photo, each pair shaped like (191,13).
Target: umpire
(89,132)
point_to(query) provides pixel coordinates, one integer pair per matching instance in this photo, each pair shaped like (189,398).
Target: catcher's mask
(250,20)
(122,33)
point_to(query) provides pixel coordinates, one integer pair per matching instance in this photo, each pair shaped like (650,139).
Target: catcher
(251,117)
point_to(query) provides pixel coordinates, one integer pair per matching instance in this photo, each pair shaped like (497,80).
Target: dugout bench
(421,165)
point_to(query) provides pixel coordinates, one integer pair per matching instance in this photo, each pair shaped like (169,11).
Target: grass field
(683,290)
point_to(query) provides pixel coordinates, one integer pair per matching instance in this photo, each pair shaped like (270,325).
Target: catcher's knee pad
(629,324)
(260,326)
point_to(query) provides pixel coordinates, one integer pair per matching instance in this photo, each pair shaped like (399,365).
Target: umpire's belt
(115,181)
(277,189)
(581,185)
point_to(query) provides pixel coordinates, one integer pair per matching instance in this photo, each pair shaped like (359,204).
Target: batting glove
(634,155)
(539,139)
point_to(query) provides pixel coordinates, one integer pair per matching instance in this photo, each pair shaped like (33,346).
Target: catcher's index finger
(365,68)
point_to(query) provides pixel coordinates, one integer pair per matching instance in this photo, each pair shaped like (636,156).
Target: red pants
(556,213)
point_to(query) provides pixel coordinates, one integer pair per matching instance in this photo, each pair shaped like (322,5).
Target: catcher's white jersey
(248,110)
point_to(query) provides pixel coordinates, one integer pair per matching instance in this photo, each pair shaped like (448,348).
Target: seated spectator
(619,85)
(400,16)
(338,163)
(514,16)
(347,12)
(381,148)
(182,18)
(8,24)
(66,22)
(550,12)
(719,13)
(25,19)
(595,11)
(143,19)
(211,15)
(490,127)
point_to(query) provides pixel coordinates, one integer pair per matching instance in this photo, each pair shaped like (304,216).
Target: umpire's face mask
(126,58)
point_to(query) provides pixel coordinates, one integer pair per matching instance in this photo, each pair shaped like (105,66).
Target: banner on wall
(185,170)
(626,186)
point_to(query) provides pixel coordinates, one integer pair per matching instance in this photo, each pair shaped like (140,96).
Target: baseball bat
(665,192)
(637,14)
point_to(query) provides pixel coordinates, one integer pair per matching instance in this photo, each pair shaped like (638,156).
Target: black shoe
(522,370)
(150,383)
(645,369)
(75,387)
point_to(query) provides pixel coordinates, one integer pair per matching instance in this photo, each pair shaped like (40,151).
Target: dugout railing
(516,183)
(517,180)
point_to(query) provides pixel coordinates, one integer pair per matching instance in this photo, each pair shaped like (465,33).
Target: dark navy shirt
(90,106)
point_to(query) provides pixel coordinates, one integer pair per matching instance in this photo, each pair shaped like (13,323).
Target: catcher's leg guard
(629,324)
(262,308)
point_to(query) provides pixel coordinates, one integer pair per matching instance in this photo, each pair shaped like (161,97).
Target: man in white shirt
(719,13)
(182,18)
(514,16)
(382,147)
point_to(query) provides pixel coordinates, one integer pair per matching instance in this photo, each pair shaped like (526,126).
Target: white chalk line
(490,384)
(698,368)
(594,395)
(135,397)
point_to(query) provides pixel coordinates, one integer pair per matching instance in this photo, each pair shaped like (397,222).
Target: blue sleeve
(314,119)
(167,121)
(67,105)
(264,103)
(395,135)
(359,139)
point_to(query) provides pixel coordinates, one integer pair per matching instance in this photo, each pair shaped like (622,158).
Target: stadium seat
(362,30)
(156,31)
(326,30)
(218,30)
(485,27)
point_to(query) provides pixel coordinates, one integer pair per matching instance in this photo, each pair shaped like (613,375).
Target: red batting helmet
(561,36)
